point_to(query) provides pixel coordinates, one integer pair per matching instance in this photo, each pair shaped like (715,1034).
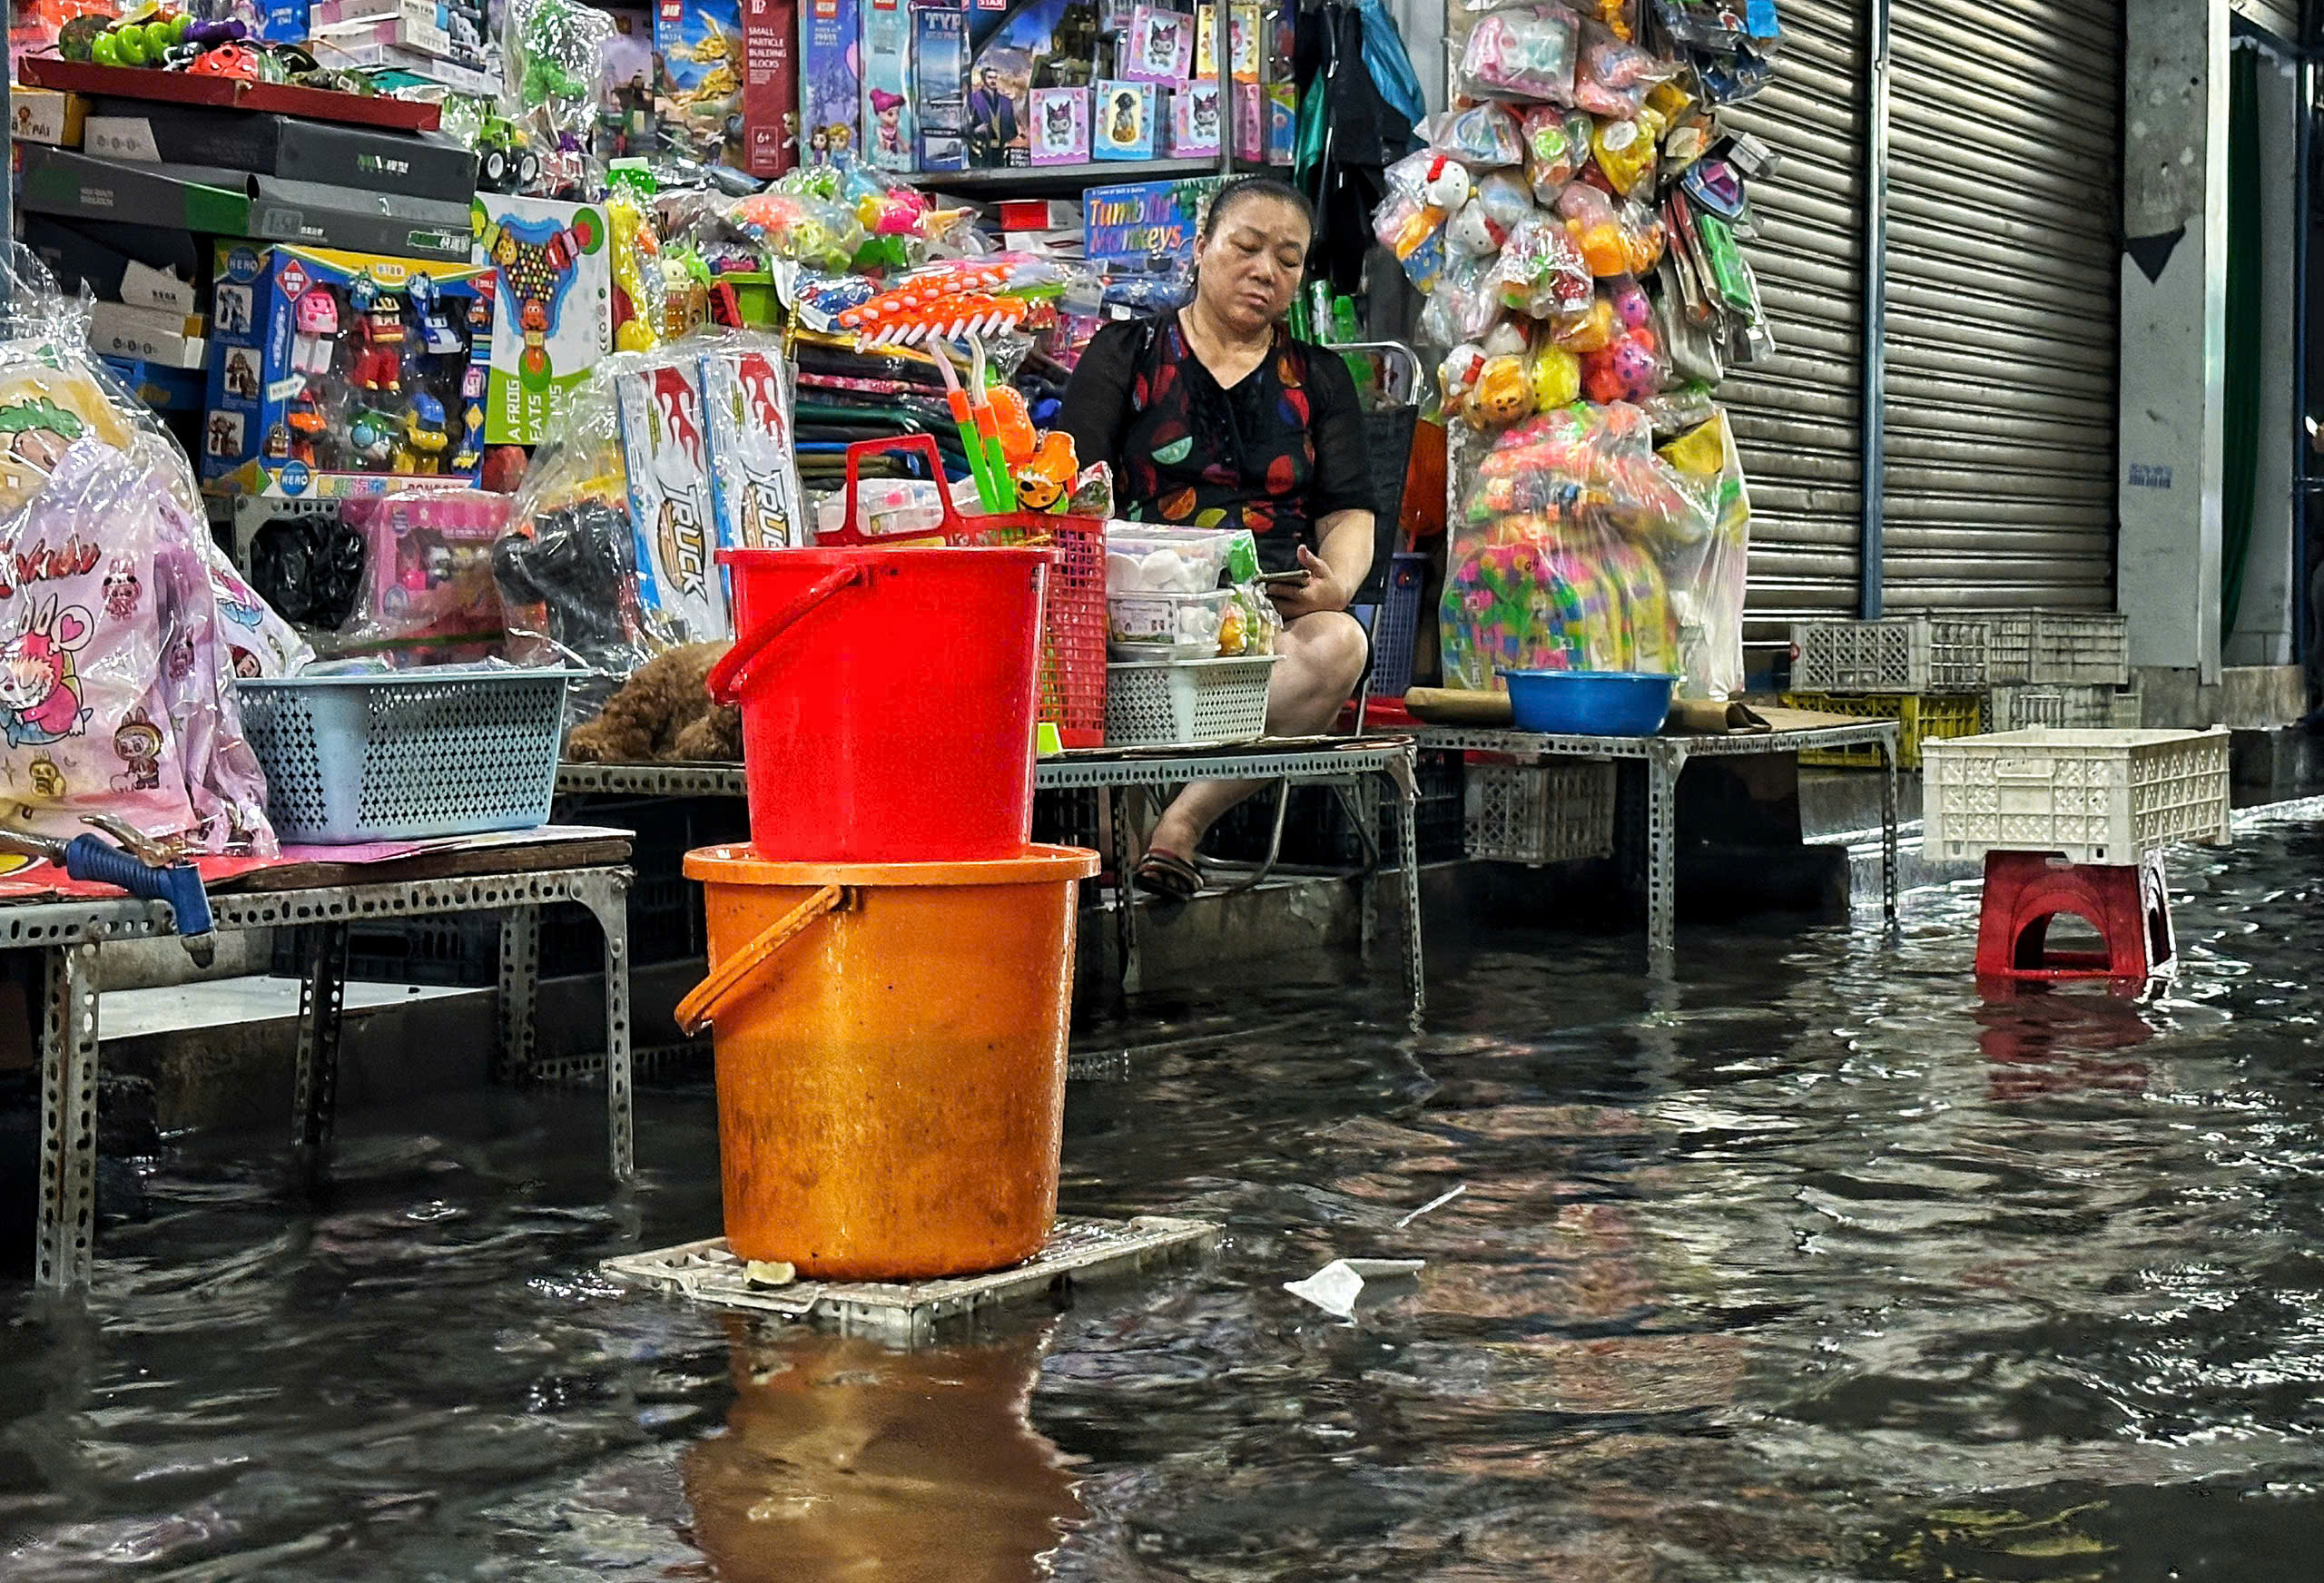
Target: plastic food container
(1590,702)
(1175,560)
(1166,626)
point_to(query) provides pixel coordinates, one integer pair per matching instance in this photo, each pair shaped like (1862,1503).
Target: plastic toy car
(504,165)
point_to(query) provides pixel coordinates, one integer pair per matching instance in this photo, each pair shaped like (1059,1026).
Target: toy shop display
(698,100)
(343,369)
(121,626)
(755,488)
(427,595)
(553,306)
(1060,126)
(1572,225)
(555,54)
(1126,120)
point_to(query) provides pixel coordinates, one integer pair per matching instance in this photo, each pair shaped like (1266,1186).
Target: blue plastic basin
(1588,702)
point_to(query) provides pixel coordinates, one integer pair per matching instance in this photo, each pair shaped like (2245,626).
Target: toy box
(664,447)
(626,106)
(1194,119)
(770,87)
(1125,122)
(1243,43)
(698,99)
(333,374)
(753,480)
(889,125)
(1027,48)
(1283,122)
(940,63)
(552,314)
(830,87)
(1160,48)
(1267,121)
(1060,130)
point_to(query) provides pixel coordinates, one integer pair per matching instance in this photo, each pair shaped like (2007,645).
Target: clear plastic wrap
(1626,151)
(1483,137)
(1522,52)
(1710,576)
(554,56)
(1463,305)
(429,595)
(1540,273)
(1557,146)
(1569,546)
(1613,75)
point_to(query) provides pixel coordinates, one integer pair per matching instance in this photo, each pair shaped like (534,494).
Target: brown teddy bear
(663,713)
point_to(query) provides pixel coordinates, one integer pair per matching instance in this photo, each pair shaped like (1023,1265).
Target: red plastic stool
(2130,906)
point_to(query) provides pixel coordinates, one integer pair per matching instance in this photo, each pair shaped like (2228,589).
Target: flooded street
(1811,1265)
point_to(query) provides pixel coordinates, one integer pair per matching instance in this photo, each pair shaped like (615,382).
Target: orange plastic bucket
(890,1047)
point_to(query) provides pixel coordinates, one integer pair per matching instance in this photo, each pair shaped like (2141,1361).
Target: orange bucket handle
(728,677)
(700,1006)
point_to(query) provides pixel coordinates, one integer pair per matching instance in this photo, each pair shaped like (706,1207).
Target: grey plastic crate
(1907,653)
(2060,648)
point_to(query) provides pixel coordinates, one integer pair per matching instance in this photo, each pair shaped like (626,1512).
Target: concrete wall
(2263,626)
(2174,218)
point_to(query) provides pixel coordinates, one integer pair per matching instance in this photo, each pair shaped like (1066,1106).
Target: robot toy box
(332,374)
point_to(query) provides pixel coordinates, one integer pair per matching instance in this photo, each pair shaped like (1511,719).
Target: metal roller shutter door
(1796,418)
(2006,128)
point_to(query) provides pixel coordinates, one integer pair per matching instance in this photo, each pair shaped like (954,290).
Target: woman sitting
(1213,416)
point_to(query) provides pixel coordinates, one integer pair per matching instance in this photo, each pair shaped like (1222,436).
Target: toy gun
(138,865)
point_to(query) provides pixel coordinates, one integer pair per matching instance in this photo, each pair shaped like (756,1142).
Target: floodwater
(1811,1265)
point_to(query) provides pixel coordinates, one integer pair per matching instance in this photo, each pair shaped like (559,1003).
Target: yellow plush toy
(1503,393)
(1555,374)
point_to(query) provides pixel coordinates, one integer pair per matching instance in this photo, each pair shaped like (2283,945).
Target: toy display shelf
(231,92)
(1096,173)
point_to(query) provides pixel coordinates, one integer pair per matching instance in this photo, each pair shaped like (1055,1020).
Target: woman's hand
(1323,590)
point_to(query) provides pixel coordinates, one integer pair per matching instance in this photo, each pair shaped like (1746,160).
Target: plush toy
(1503,394)
(1627,369)
(1555,374)
(1588,331)
(1632,309)
(1473,233)
(1625,150)
(1457,375)
(1443,183)
(1597,231)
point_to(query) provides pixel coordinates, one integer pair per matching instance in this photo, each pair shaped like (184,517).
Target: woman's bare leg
(1322,657)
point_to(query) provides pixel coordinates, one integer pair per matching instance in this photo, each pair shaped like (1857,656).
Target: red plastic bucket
(887,698)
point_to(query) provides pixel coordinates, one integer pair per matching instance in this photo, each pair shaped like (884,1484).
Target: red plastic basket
(1073,611)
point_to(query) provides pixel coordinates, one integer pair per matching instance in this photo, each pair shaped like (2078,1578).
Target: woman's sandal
(1163,872)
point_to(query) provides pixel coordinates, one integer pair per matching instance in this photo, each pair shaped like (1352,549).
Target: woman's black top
(1276,453)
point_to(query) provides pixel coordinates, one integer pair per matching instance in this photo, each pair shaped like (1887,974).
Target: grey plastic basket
(408,756)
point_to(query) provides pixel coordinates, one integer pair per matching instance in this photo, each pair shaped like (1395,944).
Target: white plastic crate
(407,756)
(2067,708)
(1538,813)
(2091,796)
(2058,648)
(1187,703)
(1910,654)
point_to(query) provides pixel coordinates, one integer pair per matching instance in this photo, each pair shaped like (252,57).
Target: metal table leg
(314,1100)
(1888,831)
(608,899)
(1361,804)
(1408,862)
(66,1246)
(1665,761)
(520,973)
(1125,962)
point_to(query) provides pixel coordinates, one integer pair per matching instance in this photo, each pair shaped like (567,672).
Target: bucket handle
(728,676)
(700,1006)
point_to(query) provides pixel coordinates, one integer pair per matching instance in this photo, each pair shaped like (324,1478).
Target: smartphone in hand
(1294,578)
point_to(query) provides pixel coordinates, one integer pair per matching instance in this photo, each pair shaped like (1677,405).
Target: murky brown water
(1811,1265)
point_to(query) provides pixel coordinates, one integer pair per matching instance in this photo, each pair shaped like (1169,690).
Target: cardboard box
(1125,117)
(1060,126)
(368,158)
(698,100)
(1159,48)
(1243,43)
(46,115)
(264,371)
(480,81)
(830,88)
(158,347)
(890,127)
(553,316)
(1195,121)
(453,32)
(238,203)
(625,110)
(770,87)
(125,319)
(1283,122)
(665,442)
(1010,51)
(1250,121)
(159,387)
(754,494)
(940,63)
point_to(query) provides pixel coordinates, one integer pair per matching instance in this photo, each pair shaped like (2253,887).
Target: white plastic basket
(1187,703)
(405,757)
(2067,708)
(1907,653)
(2055,648)
(2090,796)
(1538,813)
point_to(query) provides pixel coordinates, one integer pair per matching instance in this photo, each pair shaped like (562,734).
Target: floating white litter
(1336,1286)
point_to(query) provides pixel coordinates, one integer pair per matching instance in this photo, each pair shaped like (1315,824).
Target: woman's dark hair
(1245,189)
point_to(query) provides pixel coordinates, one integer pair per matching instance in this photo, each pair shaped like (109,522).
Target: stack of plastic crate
(1929,672)
(2068,670)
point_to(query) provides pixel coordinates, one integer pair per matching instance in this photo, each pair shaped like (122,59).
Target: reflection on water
(1815,1263)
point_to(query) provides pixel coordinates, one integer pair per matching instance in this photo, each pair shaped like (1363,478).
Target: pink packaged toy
(429,597)
(1523,52)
